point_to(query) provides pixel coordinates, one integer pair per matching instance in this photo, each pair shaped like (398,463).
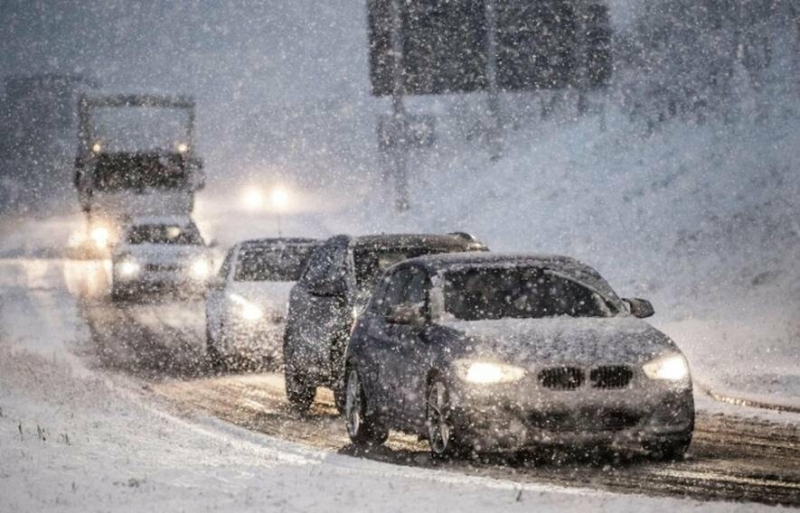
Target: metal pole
(399,145)
(496,127)
(280,230)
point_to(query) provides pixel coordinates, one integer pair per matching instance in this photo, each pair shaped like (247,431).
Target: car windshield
(272,263)
(165,234)
(371,261)
(520,292)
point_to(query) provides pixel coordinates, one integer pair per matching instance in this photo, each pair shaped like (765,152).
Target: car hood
(562,340)
(270,295)
(161,253)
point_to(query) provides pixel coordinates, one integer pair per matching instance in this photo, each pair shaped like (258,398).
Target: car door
(413,352)
(216,294)
(383,346)
(314,307)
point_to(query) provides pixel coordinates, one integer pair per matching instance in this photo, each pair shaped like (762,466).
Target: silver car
(247,301)
(159,254)
(487,352)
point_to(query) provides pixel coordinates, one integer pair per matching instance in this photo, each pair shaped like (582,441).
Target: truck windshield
(165,234)
(139,129)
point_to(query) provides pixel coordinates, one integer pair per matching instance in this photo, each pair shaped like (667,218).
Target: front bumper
(253,340)
(160,280)
(520,415)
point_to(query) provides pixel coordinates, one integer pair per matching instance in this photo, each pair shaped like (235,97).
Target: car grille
(162,267)
(584,421)
(611,376)
(562,378)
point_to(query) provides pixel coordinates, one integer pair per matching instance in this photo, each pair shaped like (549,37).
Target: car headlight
(246,310)
(672,367)
(128,268)
(487,373)
(200,269)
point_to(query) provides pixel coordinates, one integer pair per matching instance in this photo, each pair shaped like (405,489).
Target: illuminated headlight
(97,147)
(100,236)
(182,147)
(200,269)
(128,268)
(488,373)
(673,367)
(246,310)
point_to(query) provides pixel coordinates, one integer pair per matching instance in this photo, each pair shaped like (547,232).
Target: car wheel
(672,450)
(299,391)
(441,432)
(361,428)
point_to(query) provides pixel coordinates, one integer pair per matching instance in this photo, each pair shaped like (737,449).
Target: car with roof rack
(326,300)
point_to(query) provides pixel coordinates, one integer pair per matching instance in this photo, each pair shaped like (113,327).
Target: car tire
(442,434)
(672,450)
(299,391)
(363,429)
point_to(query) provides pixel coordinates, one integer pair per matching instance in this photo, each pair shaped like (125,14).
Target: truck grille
(611,376)
(562,378)
(162,267)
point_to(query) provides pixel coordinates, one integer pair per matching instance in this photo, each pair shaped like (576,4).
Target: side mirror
(329,288)
(406,314)
(640,308)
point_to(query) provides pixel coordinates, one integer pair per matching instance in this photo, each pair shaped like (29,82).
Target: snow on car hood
(162,253)
(583,341)
(269,295)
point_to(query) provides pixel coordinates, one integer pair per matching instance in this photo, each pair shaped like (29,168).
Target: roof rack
(465,236)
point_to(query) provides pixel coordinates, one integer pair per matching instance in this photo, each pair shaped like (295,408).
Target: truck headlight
(200,269)
(672,367)
(487,373)
(128,268)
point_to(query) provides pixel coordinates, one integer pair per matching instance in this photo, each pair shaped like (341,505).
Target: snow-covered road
(78,434)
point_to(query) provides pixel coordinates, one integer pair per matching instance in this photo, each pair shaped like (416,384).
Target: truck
(136,157)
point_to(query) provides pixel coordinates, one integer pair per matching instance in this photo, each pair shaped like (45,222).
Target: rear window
(165,234)
(272,263)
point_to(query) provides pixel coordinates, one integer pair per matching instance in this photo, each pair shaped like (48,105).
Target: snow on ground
(74,440)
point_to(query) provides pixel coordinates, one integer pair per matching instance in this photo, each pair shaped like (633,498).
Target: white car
(158,254)
(247,302)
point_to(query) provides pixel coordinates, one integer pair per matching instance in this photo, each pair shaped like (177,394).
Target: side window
(394,291)
(319,266)
(338,263)
(416,291)
(225,268)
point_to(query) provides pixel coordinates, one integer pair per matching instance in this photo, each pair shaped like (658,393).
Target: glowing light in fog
(100,236)
(671,368)
(279,198)
(253,199)
(183,147)
(97,147)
